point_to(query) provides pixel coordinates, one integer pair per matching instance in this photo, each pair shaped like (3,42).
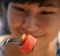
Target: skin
(32,19)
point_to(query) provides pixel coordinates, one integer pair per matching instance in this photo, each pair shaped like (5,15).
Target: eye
(47,12)
(19,9)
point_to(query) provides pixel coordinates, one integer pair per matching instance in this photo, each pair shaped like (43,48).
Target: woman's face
(41,21)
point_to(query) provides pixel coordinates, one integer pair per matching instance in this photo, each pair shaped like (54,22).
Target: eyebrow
(48,5)
(18,8)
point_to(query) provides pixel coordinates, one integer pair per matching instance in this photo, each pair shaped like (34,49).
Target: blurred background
(3,25)
(3,20)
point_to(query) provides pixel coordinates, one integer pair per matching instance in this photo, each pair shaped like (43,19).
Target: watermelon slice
(28,44)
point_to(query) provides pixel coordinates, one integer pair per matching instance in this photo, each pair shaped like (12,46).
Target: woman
(40,18)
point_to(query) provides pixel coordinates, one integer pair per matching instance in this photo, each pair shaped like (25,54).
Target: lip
(36,35)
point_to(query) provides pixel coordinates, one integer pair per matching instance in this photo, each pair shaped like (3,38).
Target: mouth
(34,34)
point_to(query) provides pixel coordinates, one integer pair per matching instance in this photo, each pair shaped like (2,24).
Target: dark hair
(6,2)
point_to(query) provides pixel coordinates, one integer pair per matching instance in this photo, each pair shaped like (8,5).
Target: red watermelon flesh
(29,44)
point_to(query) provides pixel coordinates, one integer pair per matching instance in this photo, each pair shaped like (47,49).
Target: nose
(30,24)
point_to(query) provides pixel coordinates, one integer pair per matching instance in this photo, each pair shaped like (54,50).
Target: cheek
(14,25)
(13,19)
(52,33)
(15,30)
(14,22)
